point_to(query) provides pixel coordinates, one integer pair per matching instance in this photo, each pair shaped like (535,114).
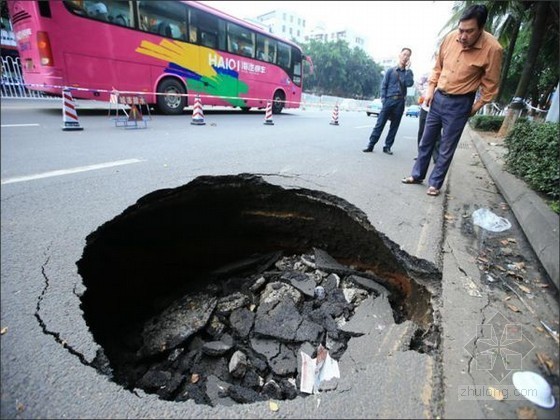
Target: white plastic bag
(490,221)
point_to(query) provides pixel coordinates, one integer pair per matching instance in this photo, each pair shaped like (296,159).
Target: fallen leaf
(525,288)
(512,240)
(545,362)
(499,267)
(496,393)
(4,330)
(543,285)
(513,307)
(507,298)
(273,406)
(194,378)
(449,217)
(482,259)
(504,242)
(528,413)
(514,275)
(540,329)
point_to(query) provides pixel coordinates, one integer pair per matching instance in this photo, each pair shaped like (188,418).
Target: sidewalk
(496,292)
(538,221)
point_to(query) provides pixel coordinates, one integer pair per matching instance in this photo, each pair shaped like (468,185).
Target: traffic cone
(334,120)
(198,114)
(69,114)
(268,114)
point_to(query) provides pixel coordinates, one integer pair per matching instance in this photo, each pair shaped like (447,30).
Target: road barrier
(134,117)
(198,113)
(268,114)
(334,119)
(70,120)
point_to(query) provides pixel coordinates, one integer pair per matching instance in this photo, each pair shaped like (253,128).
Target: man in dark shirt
(393,93)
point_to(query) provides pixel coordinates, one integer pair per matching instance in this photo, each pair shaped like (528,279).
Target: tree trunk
(542,8)
(507,62)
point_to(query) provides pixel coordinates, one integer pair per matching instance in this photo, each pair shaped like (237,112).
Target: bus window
(266,48)
(76,6)
(240,40)
(297,67)
(164,18)
(211,29)
(119,12)
(97,10)
(284,58)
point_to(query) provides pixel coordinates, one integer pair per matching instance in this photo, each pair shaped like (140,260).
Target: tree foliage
(341,71)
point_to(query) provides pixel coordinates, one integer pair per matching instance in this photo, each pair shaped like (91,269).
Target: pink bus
(168,51)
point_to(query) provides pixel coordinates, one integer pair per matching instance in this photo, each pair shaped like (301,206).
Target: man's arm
(436,72)
(384,85)
(409,78)
(490,81)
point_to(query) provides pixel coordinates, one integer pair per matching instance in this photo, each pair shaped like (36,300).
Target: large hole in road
(211,291)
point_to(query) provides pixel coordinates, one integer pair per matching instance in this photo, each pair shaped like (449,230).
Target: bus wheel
(171,104)
(278,102)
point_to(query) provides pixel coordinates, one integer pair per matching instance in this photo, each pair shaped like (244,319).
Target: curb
(538,221)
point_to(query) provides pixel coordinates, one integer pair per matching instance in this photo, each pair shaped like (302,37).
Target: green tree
(341,71)
(544,17)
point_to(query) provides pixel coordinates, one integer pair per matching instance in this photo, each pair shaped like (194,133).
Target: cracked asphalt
(46,348)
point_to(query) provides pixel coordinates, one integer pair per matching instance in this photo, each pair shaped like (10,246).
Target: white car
(374,107)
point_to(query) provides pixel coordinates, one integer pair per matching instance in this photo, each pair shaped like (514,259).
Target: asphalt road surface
(59,186)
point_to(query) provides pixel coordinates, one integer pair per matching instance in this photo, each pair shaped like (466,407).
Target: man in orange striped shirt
(469,60)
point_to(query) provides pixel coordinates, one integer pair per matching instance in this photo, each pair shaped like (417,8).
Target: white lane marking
(70,171)
(19,125)
(364,126)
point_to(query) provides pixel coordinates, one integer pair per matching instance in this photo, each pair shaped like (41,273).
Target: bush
(487,122)
(533,155)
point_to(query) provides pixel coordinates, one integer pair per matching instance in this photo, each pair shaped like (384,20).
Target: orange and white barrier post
(114,101)
(268,114)
(198,114)
(69,114)
(334,120)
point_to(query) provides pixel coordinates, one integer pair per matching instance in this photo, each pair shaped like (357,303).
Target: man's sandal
(433,191)
(411,180)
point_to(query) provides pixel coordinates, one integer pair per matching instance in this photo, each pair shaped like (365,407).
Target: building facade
(284,23)
(353,39)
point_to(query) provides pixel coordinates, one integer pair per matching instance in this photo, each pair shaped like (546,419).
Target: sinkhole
(212,291)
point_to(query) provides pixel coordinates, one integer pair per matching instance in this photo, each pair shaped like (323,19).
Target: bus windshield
(167,51)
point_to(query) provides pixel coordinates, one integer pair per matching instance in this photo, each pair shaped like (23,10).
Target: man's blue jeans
(393,110)
(451,114)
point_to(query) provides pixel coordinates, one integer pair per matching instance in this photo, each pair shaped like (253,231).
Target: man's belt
(455,95)
(395,97)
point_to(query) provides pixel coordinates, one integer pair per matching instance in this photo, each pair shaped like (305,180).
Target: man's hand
(428,98)
(475,108)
